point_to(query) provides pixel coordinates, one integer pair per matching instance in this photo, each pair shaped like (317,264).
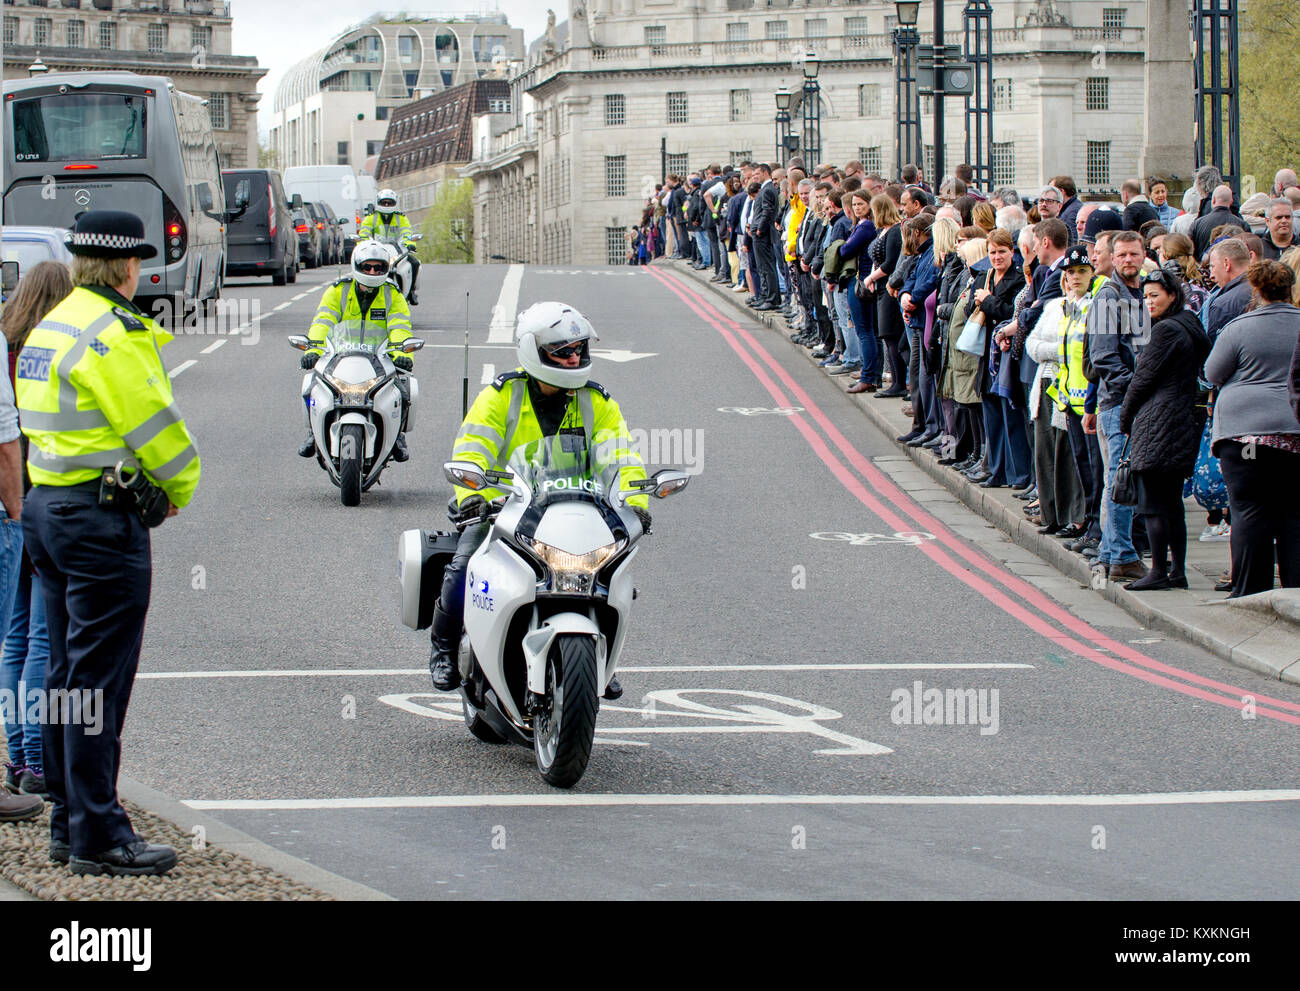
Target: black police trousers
(95,573)
(449,619)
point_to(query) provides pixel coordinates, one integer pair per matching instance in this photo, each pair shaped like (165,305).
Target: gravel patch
(208,874)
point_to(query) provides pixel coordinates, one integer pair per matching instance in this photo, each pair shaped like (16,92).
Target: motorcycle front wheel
(563,732)
(352,451)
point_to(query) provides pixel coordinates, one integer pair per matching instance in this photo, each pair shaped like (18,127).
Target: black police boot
(400,454)
(414,298)
(613,690)
(442,660)
(307,449)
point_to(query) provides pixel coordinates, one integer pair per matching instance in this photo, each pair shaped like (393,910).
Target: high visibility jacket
(1071,388)
(92,392)
(502,420)
(397,230)
(340,303)
(797,211)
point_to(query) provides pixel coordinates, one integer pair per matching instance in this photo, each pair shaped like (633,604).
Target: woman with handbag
(885,252)
(1008,444)
(959,382)
(1163,422)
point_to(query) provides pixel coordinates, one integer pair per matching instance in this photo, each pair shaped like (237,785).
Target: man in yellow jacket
(109,456)
(390,225)
(550,393)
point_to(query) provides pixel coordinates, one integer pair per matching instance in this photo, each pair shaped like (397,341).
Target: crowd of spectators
(1041,342)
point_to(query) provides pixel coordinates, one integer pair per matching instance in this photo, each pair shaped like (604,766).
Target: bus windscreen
(79,127)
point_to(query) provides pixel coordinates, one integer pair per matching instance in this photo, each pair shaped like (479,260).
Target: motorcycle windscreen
(560,468)
(357,336)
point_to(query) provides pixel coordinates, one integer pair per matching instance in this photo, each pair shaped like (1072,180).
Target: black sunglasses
(373,268)
(567,350)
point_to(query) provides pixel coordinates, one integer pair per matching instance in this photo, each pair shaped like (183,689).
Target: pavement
(1260,632)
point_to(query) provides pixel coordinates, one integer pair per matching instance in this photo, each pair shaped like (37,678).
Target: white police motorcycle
(547,597)
(355,404)
(400,264)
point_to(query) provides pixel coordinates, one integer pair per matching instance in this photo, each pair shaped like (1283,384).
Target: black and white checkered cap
(109,234)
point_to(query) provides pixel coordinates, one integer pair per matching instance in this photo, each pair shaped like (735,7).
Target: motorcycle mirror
(668,481)
(412,344)
(417,237)
(299,341)
(465,474)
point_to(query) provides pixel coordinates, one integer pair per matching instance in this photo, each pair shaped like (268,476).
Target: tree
(449,227)
(1270,35)
(267,157)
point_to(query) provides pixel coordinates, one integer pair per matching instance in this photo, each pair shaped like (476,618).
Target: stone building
(187,40)
(626,90)
(334,107)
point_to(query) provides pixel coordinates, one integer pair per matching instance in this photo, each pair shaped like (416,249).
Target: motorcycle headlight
(352,393)
(588,564)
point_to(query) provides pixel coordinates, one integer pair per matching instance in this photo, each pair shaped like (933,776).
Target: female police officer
(109,456)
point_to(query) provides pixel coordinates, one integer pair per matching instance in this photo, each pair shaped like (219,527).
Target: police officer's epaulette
(599,388)
(129,320)
(500,381)
(339,282)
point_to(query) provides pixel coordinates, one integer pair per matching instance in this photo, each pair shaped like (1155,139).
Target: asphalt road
(765,746)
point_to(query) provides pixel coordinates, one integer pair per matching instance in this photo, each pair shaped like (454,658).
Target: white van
(334,185)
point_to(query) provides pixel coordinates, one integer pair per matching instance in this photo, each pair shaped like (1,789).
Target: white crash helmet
(387,201)
(544,327)
(371,250)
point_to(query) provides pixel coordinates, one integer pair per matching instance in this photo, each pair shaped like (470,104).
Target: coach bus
(78,141)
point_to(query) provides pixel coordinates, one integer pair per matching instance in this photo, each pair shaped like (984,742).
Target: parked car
(261,241)
(334,228)
(310,237)
(22,248)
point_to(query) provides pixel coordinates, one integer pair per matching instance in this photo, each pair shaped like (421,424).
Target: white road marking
(502,328)
(181,367)
(283,306)
(213,346)
(301,295)
(623,356)
(489,373)
(570,799)
(689,668)
(472,347)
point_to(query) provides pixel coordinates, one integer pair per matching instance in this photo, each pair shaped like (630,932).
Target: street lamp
(907,101)
(908,11)
(784,99)
(812,115)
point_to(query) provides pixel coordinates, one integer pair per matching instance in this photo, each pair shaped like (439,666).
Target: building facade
(334,107)
(627,90)
(187,40)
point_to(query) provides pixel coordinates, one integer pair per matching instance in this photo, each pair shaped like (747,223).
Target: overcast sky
(280,32)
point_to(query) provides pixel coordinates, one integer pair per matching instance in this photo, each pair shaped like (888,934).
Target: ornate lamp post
(907,99)
(784,99)
(812,113)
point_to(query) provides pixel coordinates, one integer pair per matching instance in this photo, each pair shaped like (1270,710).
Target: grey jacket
(1118,327)
(1250,365)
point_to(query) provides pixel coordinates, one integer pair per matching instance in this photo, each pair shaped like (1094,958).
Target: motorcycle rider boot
(307,448)
(400,454)
(613,690)
(442,662)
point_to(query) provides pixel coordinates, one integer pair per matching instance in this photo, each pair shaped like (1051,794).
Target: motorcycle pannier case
(422,556)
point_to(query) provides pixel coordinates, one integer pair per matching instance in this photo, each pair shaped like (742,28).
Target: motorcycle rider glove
(404,362)
(309,359)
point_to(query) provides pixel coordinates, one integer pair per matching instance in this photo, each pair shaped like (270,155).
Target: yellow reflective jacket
(340,303)
(502,420)
(396,231)
(92,391)
(797,211)
(1070,389)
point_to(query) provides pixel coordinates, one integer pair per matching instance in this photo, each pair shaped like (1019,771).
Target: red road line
(879,480)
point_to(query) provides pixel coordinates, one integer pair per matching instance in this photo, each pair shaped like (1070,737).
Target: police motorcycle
(355,404)
(400,264)
(548,596)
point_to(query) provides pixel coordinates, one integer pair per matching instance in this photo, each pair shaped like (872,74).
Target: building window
(76,34)
(1001,95)
(1112,17)
(219,111)
(927,108)
(679,165)
(872,159)
(928,164)
(678,111)
(11,30)
(107,34)
(498,106)
(741,156)
(869,100)
(656,36)
(891,22)
(776,30)
(615,175)
(739,104)
(1098,163)
(1097,90)
(855,27)
(738,31)
(615,109)
(343,153)
(41,32)
(157,37)
(374,147)
(200,37)
(615,246)
(1004,163)
(815,27)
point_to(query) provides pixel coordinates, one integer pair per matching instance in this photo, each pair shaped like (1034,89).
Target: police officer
(366,295)
(549,393)
(391,225)
(109,456)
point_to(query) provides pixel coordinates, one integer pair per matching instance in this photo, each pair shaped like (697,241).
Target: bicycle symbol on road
(759,410)
(681,711)
(915,537)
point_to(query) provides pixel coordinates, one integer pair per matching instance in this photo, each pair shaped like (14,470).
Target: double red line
(1014,596)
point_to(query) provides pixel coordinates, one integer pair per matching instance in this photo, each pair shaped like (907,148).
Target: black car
(335,228)
(261,240)
(311,238)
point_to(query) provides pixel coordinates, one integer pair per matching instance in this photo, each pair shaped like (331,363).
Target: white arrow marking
(623,356)
(181,367)
(502,328)
(489,373)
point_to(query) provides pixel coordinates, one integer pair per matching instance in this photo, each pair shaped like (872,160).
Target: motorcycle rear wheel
(562,735)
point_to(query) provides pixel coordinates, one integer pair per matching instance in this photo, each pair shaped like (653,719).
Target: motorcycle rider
(550,393)
(389,224)
(365,295)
